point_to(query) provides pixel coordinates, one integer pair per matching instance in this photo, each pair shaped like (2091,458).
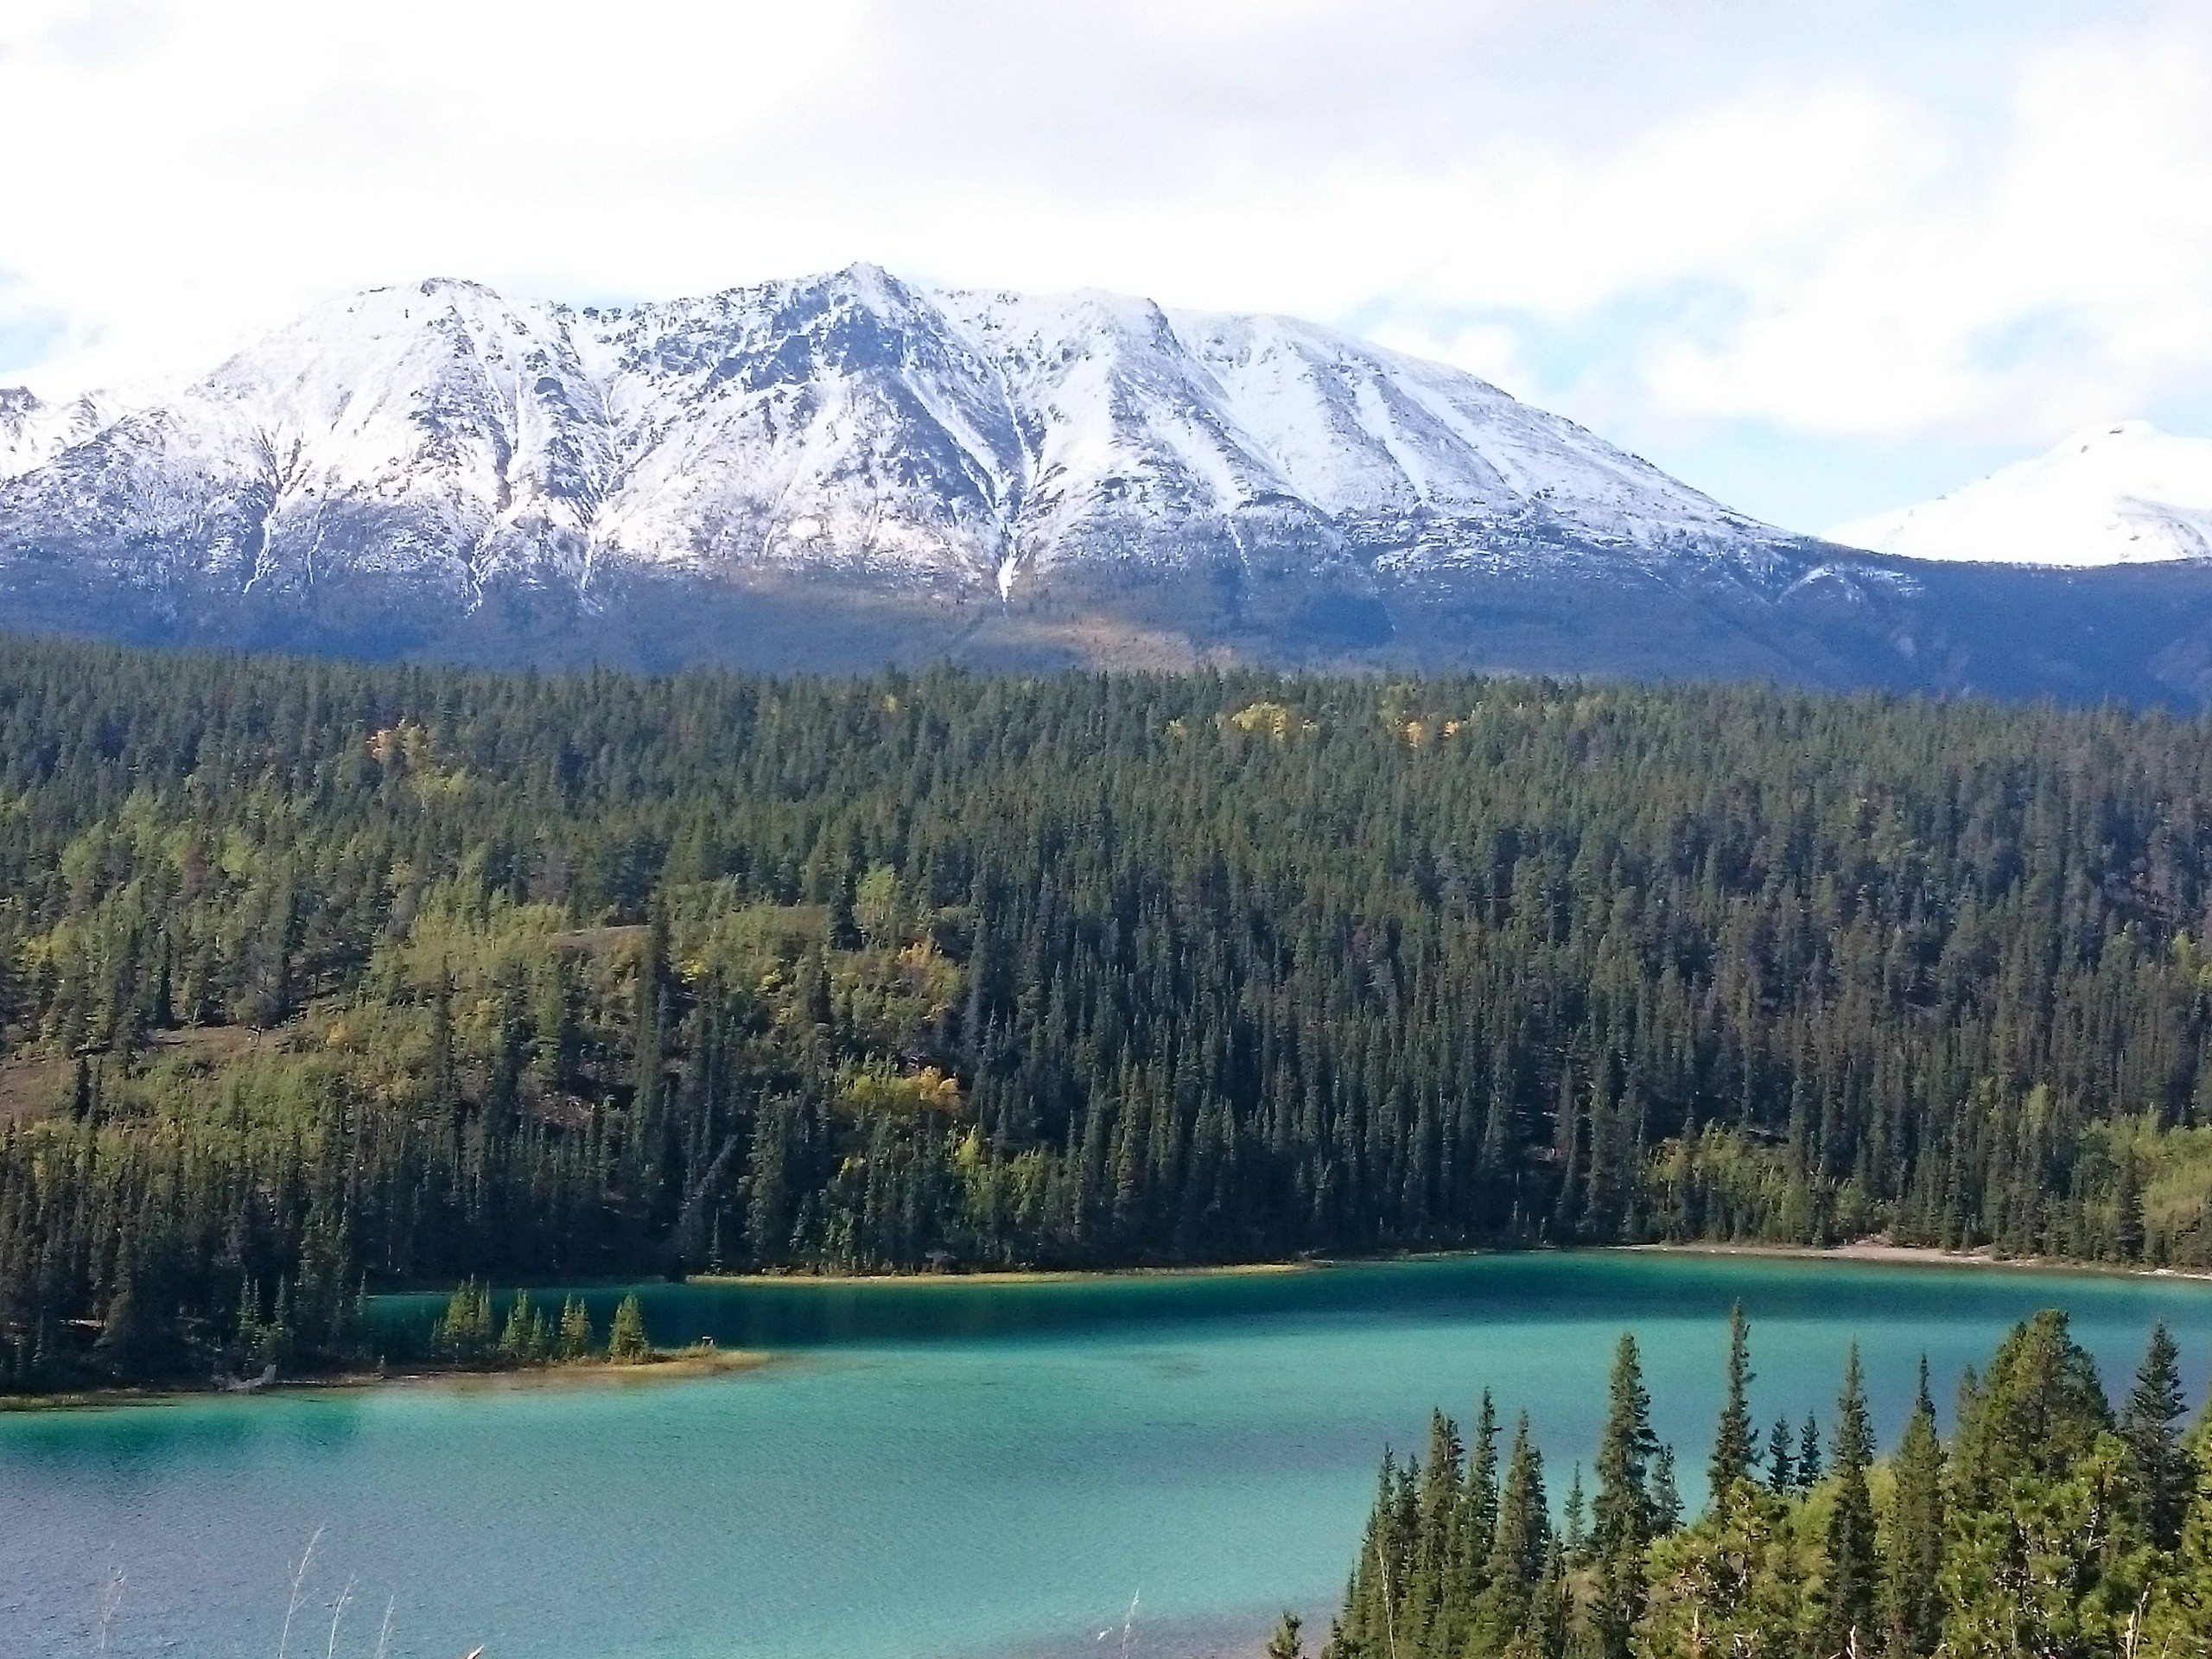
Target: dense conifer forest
(2050,1524)
(316,977)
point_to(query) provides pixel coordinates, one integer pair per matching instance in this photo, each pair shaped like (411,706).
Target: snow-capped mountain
(33,432)
(847,470)
(848,423)
(2123,494)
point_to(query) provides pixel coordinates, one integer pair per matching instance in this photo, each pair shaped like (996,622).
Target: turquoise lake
(947,1470)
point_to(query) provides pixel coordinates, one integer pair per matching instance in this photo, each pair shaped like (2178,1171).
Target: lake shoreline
(1881,1253)
(684,1364)
(1063,1276)
(675,1365)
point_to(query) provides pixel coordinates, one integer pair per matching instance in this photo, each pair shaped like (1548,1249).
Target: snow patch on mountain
(2119,495)
(33,431)
(962,440)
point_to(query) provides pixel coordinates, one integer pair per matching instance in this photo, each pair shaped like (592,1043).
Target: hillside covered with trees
(2049,1523)
(315,977)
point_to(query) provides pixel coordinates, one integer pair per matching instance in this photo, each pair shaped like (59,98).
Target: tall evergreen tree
(1622,1514)
(1733,1447)
(1575,1511)
(1781,1467)
(1853,1569)
(1666,1495)
(1518,1547)
(1914,1561)
(1476,1525)
(1807,1470)
(2163,1468)
(627,1341)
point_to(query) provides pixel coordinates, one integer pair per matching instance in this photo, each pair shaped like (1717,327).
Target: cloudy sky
(1817,258)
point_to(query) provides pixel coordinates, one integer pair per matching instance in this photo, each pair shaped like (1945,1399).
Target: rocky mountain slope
(845,469)
(2124,494)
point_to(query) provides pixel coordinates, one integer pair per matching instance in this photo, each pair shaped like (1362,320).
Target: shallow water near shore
(938,1469)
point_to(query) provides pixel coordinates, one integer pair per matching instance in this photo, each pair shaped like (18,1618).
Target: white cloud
(1883,220)
(2064,281)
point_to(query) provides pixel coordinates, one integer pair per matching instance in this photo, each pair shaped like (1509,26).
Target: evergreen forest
(2049,1523)
(318,979)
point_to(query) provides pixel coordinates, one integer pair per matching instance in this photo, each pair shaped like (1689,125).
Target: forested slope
(312,975)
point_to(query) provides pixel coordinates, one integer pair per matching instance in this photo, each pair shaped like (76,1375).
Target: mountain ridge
(841,470)
(956,435)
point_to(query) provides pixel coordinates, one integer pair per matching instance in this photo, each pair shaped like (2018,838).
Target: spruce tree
(517,1345)
(1476,1525)
(1550,1610)
(2163,1468)
(1518,1547)
(1915,1556)
(1368,1621)
(1443,1478)
(1852,1565)
(1286,1643)
(1666,1496)
(1733,1447)
(575,1339)
(1575,1511)
(2041,1405)
(1438,1592)
(1807,1473)
(1622,1514)
(1781,1468)
(627,1342)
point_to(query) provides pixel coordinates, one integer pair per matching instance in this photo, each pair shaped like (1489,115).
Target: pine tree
(1622,1514)
(1286,1643)
(1732,1447)
(1518,1547)
(1852,1565)
(2163,1468)
(1809,1454)
(1915,1556)
(575,1339)
(1437,1591)
(1476,1525)
(1443,1481)
(1666,1496)
(2041,1404)
(1781,1468)
(627,1343)
(464,1333)
(521,1337)
(1576,1511)
(1550,1610)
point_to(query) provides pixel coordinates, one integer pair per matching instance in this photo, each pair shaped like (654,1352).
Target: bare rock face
(842,470)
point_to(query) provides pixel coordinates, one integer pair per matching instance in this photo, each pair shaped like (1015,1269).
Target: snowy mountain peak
(33,431)
(964,440)
(2124,492)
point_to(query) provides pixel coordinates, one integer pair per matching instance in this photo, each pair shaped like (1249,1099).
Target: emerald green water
(949,1469)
